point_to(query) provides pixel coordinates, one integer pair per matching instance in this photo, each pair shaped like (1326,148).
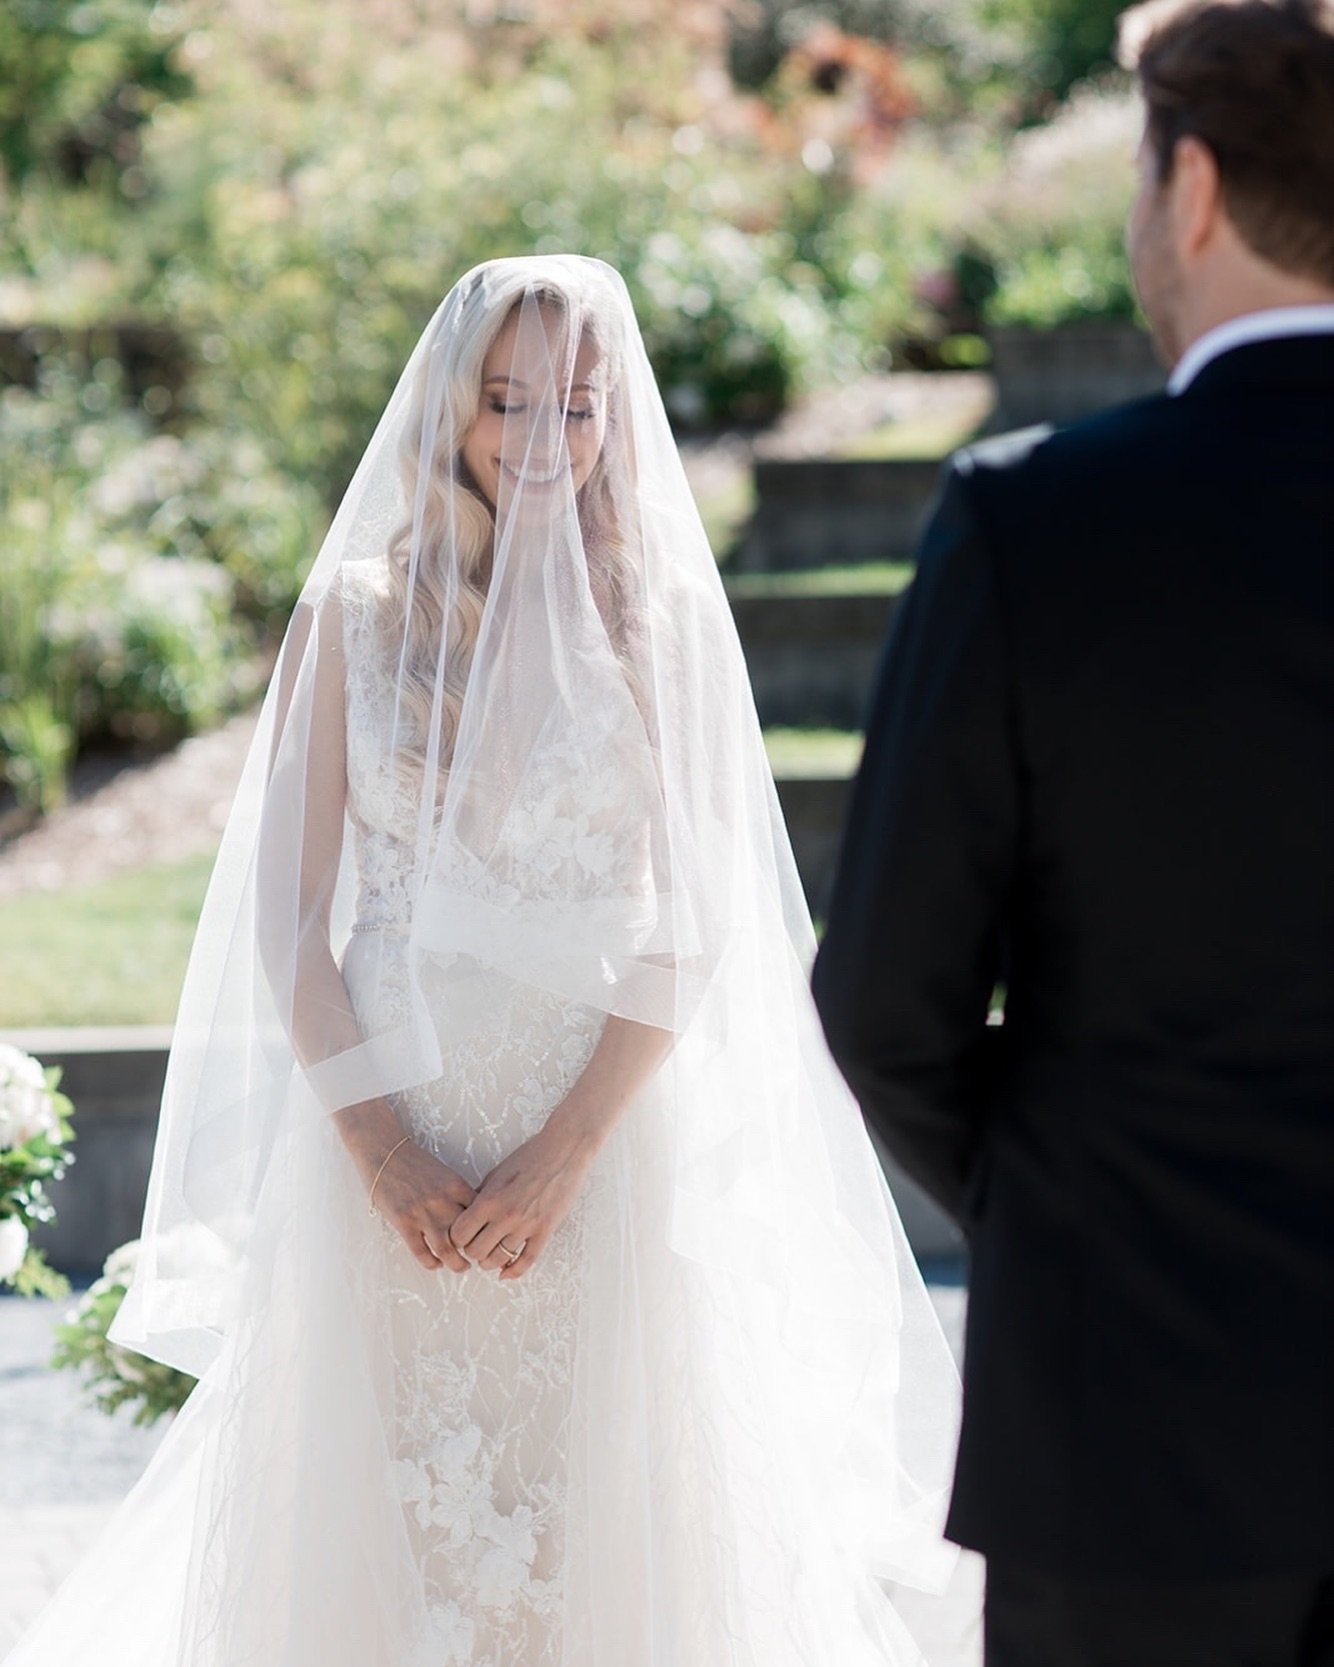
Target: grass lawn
(882,578)
(115,953)
(813,752)
(109,954)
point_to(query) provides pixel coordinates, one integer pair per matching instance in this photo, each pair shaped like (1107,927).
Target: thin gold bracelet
(380,1171)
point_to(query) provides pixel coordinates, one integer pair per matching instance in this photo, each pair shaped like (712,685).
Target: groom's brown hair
(1254,81)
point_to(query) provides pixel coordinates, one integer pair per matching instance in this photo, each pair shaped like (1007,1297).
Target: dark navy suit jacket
(1099,775)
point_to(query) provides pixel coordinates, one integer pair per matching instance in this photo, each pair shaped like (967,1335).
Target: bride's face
(528,431)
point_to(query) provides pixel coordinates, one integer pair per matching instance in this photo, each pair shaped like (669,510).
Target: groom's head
(1235,210)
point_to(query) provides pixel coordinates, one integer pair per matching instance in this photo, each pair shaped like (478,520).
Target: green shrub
(1063,42)
(116,1377)
(1050,228)
(77,83)
(123,557)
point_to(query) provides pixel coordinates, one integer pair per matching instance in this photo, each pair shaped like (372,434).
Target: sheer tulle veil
(764,1409)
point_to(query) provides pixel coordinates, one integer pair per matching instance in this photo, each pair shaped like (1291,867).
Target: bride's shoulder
(361,583)
(360,592)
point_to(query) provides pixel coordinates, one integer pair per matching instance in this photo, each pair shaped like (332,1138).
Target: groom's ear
(1196,194)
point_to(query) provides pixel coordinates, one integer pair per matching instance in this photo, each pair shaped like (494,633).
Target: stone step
(812,658)
(1069,371)
(833,512)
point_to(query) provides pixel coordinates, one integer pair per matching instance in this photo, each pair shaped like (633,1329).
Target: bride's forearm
(324,1024)
(625,1058)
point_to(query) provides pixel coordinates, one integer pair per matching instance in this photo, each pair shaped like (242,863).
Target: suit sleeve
(914,934)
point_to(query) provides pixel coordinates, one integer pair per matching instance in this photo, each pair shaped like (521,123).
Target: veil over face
(565,788)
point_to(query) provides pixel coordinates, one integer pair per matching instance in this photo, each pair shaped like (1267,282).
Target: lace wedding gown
(394,1467)
(714,1425)
(479,1417)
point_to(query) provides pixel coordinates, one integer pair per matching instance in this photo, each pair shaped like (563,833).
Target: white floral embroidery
(481,1372)
(448,1641)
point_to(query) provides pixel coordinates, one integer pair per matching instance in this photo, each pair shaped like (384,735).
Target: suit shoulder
(1104,438)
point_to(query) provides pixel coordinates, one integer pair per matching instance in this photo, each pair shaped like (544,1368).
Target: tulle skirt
(395,1467)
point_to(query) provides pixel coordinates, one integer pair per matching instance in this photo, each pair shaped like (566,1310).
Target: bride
(549,1307)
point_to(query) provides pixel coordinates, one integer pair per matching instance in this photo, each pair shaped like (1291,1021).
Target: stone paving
(64,1466)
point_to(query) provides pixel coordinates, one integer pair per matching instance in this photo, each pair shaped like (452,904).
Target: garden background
(224,224)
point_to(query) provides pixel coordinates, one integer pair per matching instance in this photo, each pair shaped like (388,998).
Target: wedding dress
(713,1426)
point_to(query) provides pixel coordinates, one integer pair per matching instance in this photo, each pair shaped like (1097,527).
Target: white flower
(513,1533)
(414,1485)
(26,1106)
(452,1455)
(129,1365)
(443,1489)
(449,1640)
(13,1246)
(501,1576)
(118,1269)
(505,1569)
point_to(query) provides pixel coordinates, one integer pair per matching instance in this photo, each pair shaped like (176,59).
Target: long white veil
(566,789)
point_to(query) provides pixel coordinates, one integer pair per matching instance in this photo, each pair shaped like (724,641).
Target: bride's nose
(544,439)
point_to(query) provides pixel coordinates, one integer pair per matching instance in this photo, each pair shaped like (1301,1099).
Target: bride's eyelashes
(502,409)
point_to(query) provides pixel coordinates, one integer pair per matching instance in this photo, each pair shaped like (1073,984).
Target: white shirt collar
(1314,320)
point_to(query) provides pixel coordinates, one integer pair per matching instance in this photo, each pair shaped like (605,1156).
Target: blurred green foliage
(78,80)
(290,191)
(1044,241)
(1063,42)
(140,571)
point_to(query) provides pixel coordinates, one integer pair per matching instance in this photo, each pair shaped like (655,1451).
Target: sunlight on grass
(914,439)
(880,578)
(111,954)
(813,752)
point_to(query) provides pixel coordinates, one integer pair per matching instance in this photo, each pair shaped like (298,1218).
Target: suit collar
(1296,363)
(1269,324)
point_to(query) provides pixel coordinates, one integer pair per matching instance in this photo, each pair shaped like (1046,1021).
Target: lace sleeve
(301,835)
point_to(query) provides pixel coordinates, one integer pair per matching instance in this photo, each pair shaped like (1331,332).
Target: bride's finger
(420,1250)
(466,1225)
(504,1254)
(485,1251)
(444,1252)
(521,1264)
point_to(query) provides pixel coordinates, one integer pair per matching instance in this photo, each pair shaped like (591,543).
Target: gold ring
(514,1255)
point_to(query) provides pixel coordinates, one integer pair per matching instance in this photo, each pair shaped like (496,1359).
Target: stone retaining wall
(114,1077)
(1063,374)
(835,512)
(812,658)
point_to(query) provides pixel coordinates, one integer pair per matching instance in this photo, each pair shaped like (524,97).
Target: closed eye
(503,409)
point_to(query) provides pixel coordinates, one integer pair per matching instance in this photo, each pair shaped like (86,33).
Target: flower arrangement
(117,1376)
(35,1133)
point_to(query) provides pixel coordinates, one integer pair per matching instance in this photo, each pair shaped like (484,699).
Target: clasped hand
(446,1223)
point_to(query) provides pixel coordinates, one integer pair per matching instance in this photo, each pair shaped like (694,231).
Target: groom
(1099,786)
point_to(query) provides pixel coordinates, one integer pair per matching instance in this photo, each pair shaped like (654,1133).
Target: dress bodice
(575,831)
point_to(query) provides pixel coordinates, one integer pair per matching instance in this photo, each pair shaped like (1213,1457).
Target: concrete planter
(1070,371)
(834,512)
(115,1076)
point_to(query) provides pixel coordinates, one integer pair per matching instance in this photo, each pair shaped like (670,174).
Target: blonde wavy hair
(457,523)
